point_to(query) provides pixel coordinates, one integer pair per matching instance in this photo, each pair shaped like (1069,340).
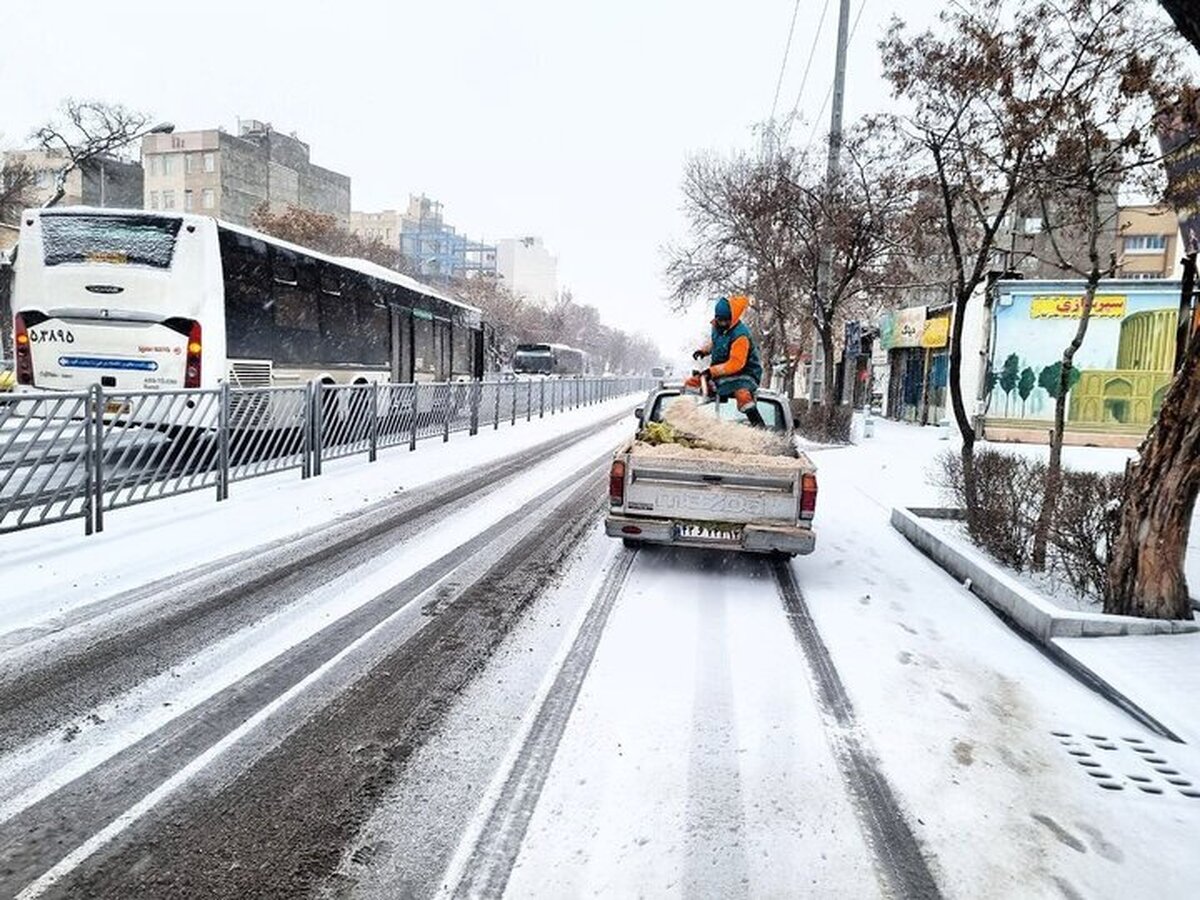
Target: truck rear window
(131,240)
(771,411)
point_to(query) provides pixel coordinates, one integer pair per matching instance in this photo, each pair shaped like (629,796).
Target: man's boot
(754,417)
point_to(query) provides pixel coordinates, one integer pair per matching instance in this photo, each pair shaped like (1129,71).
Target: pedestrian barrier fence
(79,455)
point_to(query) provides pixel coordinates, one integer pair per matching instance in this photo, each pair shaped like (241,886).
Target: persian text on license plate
(704,533)
(115,408)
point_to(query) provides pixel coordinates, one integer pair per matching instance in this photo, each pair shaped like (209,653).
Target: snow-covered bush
(1010,490)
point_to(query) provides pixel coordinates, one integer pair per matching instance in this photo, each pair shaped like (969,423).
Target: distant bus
(549,359)
(136,300)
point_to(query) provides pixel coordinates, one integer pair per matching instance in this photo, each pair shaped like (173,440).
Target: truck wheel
(630,543)
(782,555)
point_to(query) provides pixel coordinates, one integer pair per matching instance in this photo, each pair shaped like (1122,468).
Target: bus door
(402,346)
(442,348)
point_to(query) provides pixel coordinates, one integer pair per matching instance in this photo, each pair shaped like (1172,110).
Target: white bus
(135,300)
(550,359)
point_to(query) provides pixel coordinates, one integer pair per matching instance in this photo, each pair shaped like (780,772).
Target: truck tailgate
(677,489)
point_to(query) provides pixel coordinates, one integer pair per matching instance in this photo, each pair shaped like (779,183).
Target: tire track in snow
(485,872)
(94,811)
(45,683)
(902,869)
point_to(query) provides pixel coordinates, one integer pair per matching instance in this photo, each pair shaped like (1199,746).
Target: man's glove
(698,354)
(705,373)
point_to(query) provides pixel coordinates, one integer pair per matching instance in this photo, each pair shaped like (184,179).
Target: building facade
(528,268)
(383,226)
(101,181)
(1149,245)
(232,176)
(435,249)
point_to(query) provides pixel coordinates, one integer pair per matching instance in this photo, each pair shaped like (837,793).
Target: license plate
(706,533)
(115,408)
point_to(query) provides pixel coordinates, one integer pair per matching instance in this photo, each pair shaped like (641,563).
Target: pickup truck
(749,502)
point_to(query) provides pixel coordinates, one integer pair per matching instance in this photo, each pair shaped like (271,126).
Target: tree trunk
(963,421)
(1053,483)
(1145,570)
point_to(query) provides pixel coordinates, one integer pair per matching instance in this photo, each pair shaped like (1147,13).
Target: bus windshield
(534,361)
(118,239)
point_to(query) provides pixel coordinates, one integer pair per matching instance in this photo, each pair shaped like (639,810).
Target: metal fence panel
(153,444)
(66,456)
(270,430)
(45,459)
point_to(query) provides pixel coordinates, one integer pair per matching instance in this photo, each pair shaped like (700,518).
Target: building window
(209,198)
(210,162)
(168,167)
(188,202)
(1145,242)
(189,163)
(168,199)
(152,163)
(154,199)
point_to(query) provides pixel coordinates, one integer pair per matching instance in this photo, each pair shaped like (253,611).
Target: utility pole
(833,166)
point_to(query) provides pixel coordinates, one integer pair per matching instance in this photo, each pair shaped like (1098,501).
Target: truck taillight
(24,357)
(808,495)
(191,376)
(616,483)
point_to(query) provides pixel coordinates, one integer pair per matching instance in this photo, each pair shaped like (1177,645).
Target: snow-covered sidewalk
(1160,673)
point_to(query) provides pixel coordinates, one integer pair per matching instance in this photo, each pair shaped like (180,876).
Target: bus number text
(51,336)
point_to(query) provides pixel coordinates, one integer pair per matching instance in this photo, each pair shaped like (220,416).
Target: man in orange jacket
(734,367)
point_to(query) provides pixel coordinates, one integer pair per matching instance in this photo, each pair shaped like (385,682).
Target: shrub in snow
(1011,489)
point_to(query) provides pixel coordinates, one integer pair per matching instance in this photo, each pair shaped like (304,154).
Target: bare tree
(979,91)
(739,241)
(862,224)
(321,232)
(89,129)
(1145,571)
(1101,140)
(17,184)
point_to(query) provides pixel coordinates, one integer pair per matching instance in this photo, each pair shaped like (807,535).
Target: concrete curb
(1035,614)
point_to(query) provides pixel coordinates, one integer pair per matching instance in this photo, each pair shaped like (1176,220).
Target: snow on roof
(366,267)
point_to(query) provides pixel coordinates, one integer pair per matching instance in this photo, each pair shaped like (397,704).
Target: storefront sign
(907,327)
(936,333)
(1065,306)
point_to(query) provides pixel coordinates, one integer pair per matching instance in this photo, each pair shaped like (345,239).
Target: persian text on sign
(1058,306)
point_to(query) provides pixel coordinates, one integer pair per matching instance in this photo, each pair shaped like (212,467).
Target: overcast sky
(571,120)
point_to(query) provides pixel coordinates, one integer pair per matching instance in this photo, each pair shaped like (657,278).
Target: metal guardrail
(79,455)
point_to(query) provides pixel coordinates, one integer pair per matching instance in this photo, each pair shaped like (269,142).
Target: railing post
(416,407)
(476,399)
(449,412)
(542,400)
(89,467)
(98,477)
(307,431)
(496,417)
(529,402)
(374,421)
(223,442)
(318,424)
(514,404)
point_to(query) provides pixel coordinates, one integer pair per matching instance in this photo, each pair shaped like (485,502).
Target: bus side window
(462,350)
(424,361)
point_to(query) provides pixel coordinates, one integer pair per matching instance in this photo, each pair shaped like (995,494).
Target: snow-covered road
(465,689)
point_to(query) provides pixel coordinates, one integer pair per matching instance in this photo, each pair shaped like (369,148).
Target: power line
(829,93)
(787,49)
(812,52)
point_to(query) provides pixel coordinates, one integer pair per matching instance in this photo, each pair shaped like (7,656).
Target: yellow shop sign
(1064,306)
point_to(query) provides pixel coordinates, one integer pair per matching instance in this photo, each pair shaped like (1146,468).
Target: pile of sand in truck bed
(690,426)
(714,460)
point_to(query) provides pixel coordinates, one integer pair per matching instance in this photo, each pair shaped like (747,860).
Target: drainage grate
(1120,763)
